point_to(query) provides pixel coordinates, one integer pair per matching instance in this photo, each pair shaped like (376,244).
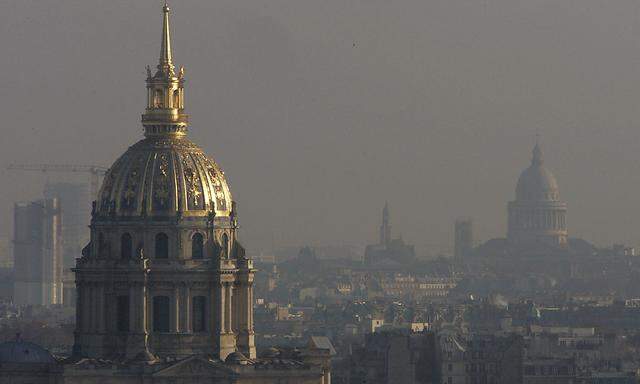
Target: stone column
(175,309)
(250,308)
(133,309)
(101,308)
(229,308)
(148,308)
(238,307)
(218,307)
(91,307)
(140,303)
(187,311)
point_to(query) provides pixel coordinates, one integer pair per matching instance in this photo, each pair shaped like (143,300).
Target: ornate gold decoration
(164,167)
(161,183)
(192,180)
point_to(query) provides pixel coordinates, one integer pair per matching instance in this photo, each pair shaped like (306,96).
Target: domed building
(537,215)
(24,362)
(164,288)
(164,274)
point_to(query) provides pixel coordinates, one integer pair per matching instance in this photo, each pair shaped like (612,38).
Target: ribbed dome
(537,183)
(23,352)
(164,175)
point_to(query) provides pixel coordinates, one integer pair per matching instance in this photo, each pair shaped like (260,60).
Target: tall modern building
(537,215)
(75,204)
(463,242)
(37,251)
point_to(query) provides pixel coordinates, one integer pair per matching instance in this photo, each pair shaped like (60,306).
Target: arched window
(197,246)
(199,317)
(162,246)
(176,98)
(161,314)
(122,313)
(126,246)
(157,99)
(225,245)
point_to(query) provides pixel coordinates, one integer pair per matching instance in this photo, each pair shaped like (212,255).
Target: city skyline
(425,150)
(356,144)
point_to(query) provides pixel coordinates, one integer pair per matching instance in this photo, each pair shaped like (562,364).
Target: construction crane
(95,172)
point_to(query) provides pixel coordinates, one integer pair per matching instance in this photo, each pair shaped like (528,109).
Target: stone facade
(164,274)
(164,288)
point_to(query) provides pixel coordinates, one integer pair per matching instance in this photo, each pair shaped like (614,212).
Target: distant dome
(162,175)
(537,183)
(537,215)
(23,352)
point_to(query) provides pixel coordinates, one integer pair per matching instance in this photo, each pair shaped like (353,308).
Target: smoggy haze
(319,111)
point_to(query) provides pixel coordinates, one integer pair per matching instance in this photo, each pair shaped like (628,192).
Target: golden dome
(164,176)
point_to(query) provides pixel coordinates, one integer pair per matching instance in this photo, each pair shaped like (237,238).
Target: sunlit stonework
(164,288)
(164,274)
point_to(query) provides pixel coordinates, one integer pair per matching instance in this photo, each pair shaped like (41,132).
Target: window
(199,314)
(225,246)
(161,314)
(176,99)
(197,246)
(122,312)
(126,246)
(162,246)
(157,99)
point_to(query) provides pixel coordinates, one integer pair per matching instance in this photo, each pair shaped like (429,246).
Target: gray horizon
(319,112)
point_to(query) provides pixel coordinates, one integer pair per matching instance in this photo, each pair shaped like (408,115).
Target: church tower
(164,274)
(385,227)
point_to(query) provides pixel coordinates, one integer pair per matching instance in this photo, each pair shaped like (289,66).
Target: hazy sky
(319,111)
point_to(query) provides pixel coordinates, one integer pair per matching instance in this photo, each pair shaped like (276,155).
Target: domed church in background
(537,215)
(165,290)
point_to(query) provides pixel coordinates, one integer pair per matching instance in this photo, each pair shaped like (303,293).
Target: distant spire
(536,159)
(385,227)
(166,61)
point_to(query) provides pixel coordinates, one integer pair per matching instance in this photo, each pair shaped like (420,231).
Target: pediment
(195,366)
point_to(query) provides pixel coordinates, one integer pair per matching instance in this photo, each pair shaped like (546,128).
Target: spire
(536,159)
(165,91)
(166,61)
(385,227)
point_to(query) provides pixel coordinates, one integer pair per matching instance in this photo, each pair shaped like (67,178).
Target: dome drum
(123,242)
